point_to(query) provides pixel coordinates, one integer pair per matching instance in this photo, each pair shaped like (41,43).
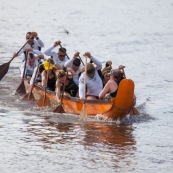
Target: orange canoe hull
(115,109)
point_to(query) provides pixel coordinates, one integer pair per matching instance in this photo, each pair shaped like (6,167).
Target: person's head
(106,76)
(30,59)
(116,74)
(29,37)
(90,70)
(61,53)
(76,63)
(48,65)
(61,75)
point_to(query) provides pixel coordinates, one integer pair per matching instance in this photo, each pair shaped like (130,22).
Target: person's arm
(58,92)
(49,51)
(33,75)
(22,69)
(104,91)
(81,86)
(68,63)
(94,60)
(38,40)
(97,63)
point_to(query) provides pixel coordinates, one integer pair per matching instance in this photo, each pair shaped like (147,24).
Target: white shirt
(28,71)
(94,85)
(68,64)
(35,46)
(56,60)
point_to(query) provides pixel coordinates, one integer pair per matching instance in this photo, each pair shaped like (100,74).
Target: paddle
(133,110)
(83,113)
(21,90)
(5,67)
(64,52)
(30,96)
(81,61)
(59,108)
(44,100)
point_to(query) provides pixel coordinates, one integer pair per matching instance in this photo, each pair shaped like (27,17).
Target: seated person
(108,67)
(34,43)
(106,77)
(75,65)
(64,83)
(111,87)
(93,81)
(59,57)
(32,62)
(48,77)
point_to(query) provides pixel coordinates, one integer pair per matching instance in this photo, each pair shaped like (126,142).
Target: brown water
(137,34)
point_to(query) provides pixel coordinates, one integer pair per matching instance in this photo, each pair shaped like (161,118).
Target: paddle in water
(30,96)
(5,67)
(21,90)
(59,108)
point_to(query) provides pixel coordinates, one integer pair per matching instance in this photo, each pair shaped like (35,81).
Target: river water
(135,33)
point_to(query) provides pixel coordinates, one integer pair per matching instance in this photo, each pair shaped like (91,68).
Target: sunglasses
(61,55)
(30,38)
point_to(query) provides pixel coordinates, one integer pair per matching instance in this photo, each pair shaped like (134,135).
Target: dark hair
(31,55)
(50,60)
(62,49)
(76,62)
(90,68)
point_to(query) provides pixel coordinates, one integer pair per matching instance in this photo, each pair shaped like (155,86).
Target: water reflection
(63,129)
(109,134)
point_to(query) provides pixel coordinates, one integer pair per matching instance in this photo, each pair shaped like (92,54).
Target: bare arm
(105,90)
(58,92)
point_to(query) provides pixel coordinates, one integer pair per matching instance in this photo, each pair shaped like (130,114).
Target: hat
(48,65)
(76,62)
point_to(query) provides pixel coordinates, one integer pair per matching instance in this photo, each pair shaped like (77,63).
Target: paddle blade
(29,96)
(21,90)
(134,111)
(83,113)
(44,101)
(4,69)
(59,109)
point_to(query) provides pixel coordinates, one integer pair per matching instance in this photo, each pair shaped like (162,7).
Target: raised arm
(39,41)
(95,61)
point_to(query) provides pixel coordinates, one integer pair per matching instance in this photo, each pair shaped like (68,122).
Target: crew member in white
(75,66)
(93,81)
(59,58)
(31,64)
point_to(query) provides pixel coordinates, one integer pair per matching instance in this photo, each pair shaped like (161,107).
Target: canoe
(116,109)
